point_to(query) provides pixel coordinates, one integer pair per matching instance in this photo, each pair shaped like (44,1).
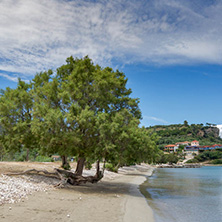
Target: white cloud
(11,78)
(156,119)
(38,35)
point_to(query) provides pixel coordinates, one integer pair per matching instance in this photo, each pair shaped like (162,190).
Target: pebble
(16,189)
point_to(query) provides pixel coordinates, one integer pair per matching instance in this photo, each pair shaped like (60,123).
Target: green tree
(69,105)
(15,118)
(185,123)
(172,158)
(81,110)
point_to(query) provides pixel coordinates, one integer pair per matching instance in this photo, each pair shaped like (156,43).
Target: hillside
(170,134)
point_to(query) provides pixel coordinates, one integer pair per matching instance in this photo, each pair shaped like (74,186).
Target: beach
(115,198)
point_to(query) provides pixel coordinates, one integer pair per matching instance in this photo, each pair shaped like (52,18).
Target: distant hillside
(170,134)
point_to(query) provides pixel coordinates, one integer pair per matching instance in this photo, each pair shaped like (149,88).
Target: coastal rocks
(196,165)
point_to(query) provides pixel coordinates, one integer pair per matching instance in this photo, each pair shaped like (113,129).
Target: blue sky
(170,50)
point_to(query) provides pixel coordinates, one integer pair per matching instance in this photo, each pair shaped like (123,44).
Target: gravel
(16,189)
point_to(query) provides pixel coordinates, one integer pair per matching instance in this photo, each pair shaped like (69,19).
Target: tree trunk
(80,165)
(97,168)
(27,155)
(65,163)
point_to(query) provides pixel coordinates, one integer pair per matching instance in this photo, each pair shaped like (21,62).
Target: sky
(170,50)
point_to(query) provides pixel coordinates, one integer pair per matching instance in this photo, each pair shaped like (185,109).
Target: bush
(218,161)
(88,165)
(192,161)
(161,158)
(172,158)
(111,167)
(43,159)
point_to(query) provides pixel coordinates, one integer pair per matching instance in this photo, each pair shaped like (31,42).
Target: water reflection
(185,194)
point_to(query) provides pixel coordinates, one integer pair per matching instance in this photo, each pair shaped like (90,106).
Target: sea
(185,194)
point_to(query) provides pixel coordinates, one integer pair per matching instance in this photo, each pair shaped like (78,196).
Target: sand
(115,198)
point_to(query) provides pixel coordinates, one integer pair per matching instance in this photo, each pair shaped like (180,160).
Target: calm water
(185,195)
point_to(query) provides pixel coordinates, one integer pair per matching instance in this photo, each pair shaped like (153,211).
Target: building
(186,143)
(190,150)
(211,147)
(195,143)
(170,148)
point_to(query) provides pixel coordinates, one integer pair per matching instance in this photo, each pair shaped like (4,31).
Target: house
(186,143)
(190,150)
(195,143)
(170,148)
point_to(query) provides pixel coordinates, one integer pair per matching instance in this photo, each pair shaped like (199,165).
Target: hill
(170,134)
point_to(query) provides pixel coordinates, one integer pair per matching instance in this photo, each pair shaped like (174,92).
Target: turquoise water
(185,195)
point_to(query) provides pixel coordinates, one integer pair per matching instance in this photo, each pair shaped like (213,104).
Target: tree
(50,117)
(82,110)
(89,91)
(15,118)
(185,123)
(172,158)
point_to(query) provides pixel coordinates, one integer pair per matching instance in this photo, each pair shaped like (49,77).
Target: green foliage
(15,118)
(111,167)
(166,158)
(81,110)
(43,159)
(172,158)
(185,123)
(192,161)
(171,134)
(88,165)
(207,155)
(161,158)
(218,161)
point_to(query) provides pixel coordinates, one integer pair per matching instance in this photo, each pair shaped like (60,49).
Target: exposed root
(64,176)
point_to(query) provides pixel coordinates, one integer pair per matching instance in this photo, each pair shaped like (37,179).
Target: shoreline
(138,209)
(116,198)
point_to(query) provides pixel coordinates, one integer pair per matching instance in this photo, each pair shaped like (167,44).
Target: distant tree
(172,158)
(185,123)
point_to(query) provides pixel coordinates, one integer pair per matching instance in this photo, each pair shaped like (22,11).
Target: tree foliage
(81,110)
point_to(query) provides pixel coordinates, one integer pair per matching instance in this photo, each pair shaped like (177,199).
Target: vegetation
(171,134)
(167,158)
(82,110)
(206,156)
(218,161)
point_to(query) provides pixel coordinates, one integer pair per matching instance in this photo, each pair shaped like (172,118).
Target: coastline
(116,198)
(136,206)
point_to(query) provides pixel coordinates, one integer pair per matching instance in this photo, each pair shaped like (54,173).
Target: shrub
(111,167)
(43,159)
(218,161)
(88,165)
(192,161)
(172,158)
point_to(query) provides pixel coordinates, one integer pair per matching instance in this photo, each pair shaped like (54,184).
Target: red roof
(170,145)
(195,141)
(216,145)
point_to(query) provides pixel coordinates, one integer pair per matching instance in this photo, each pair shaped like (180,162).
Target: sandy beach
(115,198)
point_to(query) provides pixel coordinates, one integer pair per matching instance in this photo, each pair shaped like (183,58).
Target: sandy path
(112,199)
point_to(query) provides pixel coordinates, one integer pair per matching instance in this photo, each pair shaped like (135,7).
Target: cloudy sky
(170,50)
